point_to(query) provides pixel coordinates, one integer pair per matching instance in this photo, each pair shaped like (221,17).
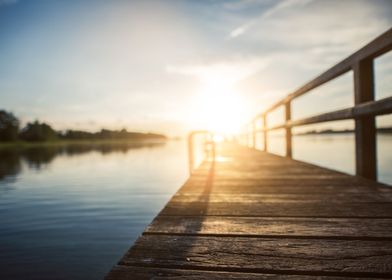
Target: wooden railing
(364,111)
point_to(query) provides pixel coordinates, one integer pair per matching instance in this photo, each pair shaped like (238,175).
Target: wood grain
(257,226)
(339,257)
(288,209)
(143,273)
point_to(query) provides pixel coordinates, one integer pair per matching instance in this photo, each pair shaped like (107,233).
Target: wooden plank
(282,197)
(247,178)
(246,164)
(260,163)
(269,255)
(254,177)
(278,227)
(279,187)
(277,180)
(263,168)
(268,167)
(288,180)
(149,273)
(294,209)
(250,176)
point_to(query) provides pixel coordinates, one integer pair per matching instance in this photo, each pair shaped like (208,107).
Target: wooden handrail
(364,111)
(373,108)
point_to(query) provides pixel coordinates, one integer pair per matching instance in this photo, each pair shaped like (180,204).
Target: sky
(174,66)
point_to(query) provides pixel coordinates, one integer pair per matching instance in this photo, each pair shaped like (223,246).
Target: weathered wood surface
(334,257)
(132,273)
(273,209)
(284,197)
(338,228)
(253,215)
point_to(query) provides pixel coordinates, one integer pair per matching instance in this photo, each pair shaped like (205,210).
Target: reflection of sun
(219,107)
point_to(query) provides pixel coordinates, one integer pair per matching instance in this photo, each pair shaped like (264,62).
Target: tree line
(36,131)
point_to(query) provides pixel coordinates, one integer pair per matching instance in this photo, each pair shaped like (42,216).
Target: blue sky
(172,66)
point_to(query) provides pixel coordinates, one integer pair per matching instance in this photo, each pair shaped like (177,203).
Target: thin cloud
(286,4)
(232,72)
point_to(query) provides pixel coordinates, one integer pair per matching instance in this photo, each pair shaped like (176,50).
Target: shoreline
(57,143)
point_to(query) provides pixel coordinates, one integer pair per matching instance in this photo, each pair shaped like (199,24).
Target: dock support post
(254,128)
(365,127)
(288,130)
(190,153)
(247,136)
(265,133)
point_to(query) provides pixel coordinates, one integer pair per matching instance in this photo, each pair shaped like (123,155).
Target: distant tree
(9,126)
(109,134)
(123,134)
(37,131)
(76,135)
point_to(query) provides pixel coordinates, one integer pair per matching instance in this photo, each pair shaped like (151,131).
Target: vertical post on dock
(250,144)
(365,127)
(254,128)
(287,106)
(190,152)
(265,133)
(247,135)
(249,131)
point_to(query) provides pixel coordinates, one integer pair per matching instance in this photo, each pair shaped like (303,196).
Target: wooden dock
(253,215)
(247,214)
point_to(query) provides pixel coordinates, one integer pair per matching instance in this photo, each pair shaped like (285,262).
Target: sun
(220,107)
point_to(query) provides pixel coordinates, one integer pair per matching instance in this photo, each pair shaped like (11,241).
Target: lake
(335,151)
(72,212)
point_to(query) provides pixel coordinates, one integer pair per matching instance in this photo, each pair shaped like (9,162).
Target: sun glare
(217,138)
(220,107)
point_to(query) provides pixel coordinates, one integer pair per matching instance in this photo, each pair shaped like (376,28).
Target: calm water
(336,152)
(71,213)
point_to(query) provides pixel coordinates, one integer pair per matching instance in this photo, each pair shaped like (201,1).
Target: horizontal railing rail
(364,111)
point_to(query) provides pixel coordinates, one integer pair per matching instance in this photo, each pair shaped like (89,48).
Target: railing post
(254,127)
(365,127)
(250,144)
(190,152)
(247,136)
(265,133)
(289,153)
